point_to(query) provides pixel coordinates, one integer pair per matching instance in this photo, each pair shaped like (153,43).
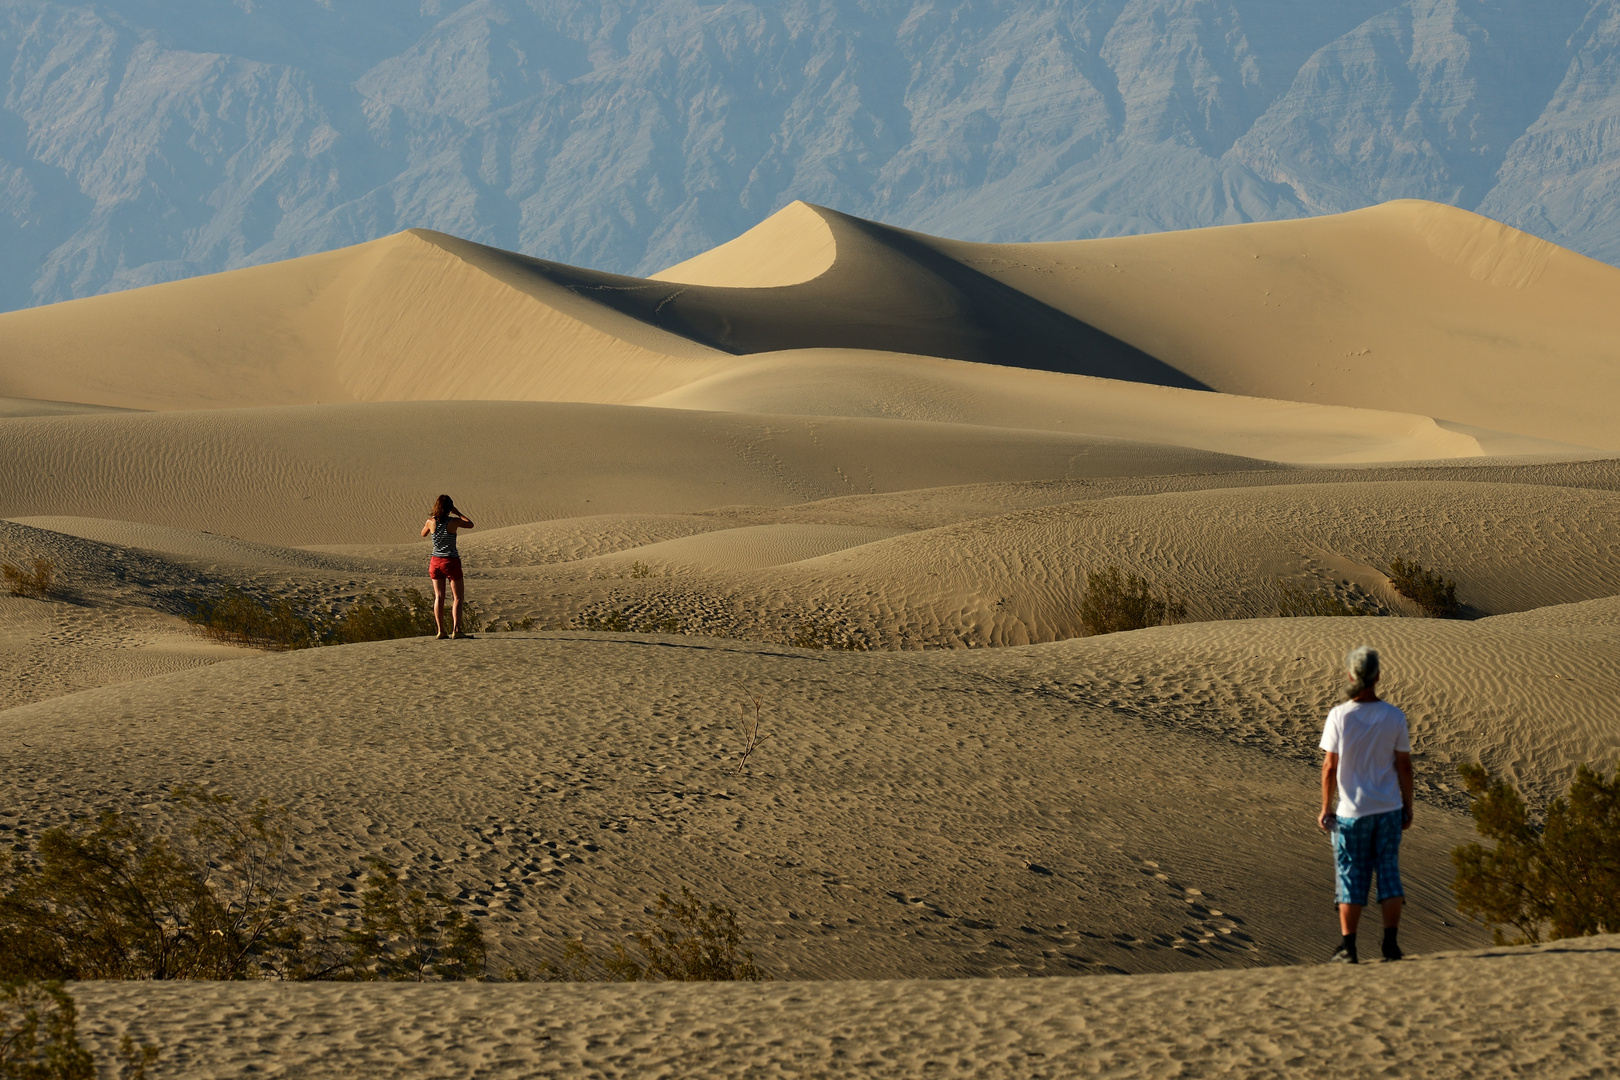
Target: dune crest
(791,246)
(1489,250)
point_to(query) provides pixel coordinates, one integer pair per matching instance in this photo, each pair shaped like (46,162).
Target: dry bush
(1116,601)
(237,618)
(39,1034)
(114,901)
(619,622)
(1296,601)
(750,730)
(408,935)
(693,942)
(811,634)
(39,1038)
(1561,877)
(1434,593)
(38,582)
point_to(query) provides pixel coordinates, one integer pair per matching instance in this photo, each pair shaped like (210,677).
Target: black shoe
(1392,953)
(1344,955)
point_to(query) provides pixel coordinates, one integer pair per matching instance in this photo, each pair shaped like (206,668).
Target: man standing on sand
(1369,772)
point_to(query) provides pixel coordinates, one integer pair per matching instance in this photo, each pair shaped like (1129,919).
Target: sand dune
(1018,578)
(355,474)
(751,547)
(832,382)
(1412,309)
(833,431)
(1442,1016)
(1531,702)
(1409,305)
(926,814)
(792,246)
(188,543)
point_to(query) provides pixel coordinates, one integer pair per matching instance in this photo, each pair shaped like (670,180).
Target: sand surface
(1442,1016)
(857,478)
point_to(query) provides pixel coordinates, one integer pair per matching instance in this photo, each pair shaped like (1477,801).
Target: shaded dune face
(885,291)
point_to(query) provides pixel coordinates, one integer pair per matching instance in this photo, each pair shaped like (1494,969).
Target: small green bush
(1561,878)
(409,935)
(1116,601)
(693,942)
(237,618)
(1296,601)
(1432,592)
(38,582)
(39,1038)
(114,901)
(39,1034)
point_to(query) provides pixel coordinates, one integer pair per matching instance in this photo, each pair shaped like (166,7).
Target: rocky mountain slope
(149,140)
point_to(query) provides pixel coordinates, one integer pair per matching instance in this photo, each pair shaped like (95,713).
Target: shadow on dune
(886,291)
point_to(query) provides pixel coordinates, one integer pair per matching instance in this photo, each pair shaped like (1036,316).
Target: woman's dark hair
(443,507)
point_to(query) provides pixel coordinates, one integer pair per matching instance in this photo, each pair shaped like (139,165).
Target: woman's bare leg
(455,609)
(438,604)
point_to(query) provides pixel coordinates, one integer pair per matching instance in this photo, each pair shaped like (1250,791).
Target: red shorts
(444,569)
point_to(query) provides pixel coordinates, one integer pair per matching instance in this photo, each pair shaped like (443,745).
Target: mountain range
(144,141)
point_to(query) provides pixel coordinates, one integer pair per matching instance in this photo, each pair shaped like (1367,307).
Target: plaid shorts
(1362,846)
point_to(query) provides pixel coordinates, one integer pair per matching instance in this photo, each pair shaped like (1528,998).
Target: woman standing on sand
(445,564)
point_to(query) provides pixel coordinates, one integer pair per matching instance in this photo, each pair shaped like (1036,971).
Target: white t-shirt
(1367,736)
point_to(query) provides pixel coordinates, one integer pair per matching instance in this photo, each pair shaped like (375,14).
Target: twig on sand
(750,728)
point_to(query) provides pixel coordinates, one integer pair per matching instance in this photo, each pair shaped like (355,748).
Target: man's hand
(1406,818)
(1330,791)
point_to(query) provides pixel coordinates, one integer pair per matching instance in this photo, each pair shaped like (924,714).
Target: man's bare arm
(1403,770)
(1330,790)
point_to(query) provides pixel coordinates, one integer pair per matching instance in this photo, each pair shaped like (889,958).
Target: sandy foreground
(1547,1011)
(689,487)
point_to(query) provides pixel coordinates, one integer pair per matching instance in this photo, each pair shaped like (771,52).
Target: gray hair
(1362,665)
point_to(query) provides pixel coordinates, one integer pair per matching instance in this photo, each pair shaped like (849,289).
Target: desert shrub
(38,582)
(114,901)
(411,935)
(526,623)
(384,618)
(1432,592)
(1116,601)
(237,618)
(810,634)
(693,942)
(39,1034)
(403,614)
(1296,601)
(639,569)
(1561,877)
(619,622)
(39,1038)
